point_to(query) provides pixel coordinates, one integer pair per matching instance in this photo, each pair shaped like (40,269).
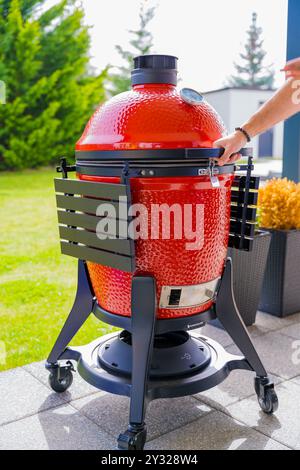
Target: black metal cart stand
(135,346)
(150,358)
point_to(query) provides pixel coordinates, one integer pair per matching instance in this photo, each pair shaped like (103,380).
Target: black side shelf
(244,197)
(79,219)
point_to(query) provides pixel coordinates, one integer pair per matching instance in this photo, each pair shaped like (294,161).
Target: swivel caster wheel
(266,395)
(61,377)
(132,439)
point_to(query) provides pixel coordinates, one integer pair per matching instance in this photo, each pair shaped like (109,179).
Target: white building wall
(278,140)
(235,106)
(222,104)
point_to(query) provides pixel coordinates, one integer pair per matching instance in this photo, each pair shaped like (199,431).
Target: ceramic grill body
(154,116)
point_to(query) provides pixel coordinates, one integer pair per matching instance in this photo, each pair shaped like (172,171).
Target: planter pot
(281,287)
(248,275)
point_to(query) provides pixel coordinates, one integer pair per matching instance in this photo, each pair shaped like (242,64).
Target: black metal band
(150,169)
(163,325)
(144,154)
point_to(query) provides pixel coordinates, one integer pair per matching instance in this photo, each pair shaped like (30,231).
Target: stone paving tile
(111,412)
(276,352)
(238,385)
(293,331)
(296,380)
(23,395)
(61,428)
(78,389)
(215,431)
(272,323)
(284,425)
(257,330)
(221,336)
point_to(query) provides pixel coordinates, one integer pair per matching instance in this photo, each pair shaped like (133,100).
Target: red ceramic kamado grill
(150,217)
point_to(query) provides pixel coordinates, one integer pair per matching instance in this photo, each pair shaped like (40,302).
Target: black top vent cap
(154,68)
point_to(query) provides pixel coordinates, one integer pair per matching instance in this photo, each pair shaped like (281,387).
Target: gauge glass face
(191,96)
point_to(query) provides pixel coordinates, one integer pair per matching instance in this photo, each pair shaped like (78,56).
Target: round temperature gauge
(191,96)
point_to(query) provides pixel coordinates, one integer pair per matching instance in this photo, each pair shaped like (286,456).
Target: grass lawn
(37,283)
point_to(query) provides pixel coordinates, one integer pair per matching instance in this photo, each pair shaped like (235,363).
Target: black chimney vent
(154,69)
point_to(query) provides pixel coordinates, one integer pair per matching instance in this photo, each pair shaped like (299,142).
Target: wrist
(242,131)
(242,141)
(250,129)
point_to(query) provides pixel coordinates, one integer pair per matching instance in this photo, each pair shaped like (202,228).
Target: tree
(50,91)
(252,71)
(141,43)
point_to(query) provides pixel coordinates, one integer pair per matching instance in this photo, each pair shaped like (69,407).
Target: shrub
(279,205)
(51,90)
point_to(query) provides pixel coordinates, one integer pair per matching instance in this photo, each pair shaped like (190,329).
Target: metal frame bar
(162,325)
(150,169)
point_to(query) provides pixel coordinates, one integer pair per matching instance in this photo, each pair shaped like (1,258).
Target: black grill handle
(170,154)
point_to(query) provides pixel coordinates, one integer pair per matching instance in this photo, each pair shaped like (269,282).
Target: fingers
(235,157)
(226,155)
(231,145)
(223,143)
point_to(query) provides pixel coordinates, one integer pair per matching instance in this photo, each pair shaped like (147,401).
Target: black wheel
(269,402)
(60,380)
(132,440)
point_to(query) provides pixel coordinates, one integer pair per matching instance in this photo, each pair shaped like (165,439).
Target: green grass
(37,283)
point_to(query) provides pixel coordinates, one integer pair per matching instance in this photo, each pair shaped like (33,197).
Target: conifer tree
(140,42)
(252,71)
(50,92)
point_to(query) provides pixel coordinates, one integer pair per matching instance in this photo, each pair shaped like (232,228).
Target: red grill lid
(152,116)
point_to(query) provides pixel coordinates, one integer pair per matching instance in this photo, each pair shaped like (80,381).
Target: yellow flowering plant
(279,205)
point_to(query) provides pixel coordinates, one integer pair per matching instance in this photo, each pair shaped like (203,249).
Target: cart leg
(228,314)
(82,307)
(143,310)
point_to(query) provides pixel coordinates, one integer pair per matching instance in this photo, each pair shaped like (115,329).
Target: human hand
(232,145)
(292,68)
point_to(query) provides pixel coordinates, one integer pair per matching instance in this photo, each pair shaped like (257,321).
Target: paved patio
(226,417)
